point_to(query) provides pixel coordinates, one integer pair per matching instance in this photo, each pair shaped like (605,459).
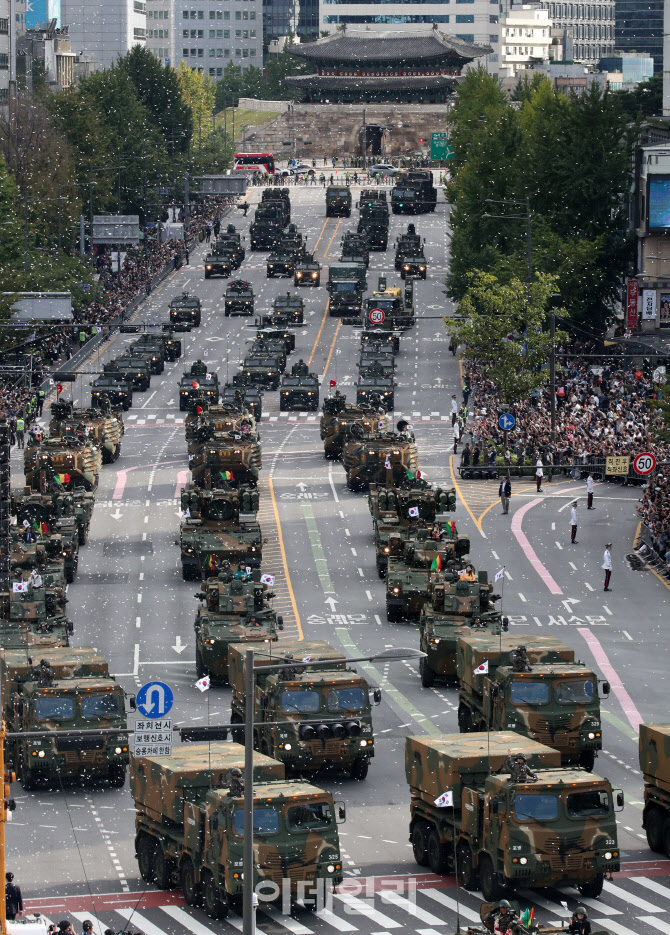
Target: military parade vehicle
(246,395)
(314,684)
(267,347)
(382,458)
(341,420)
(345,300)
(376,355)
(292,307)
(63,689)
(220,260)
(60,540)
(380,336)
(352,272)
(197,384)
(281,262)
(266,228)
(274,329)
(235,611)
(111,391)
(413,264)
(104,429)
(338,201)
(355,244)
(72,464)
(134,370)
(263,370)
(299,392)
(654,755)
(149,352)
(307,271)
(541,692)
(225,459)
(390,307)
(190,827)
(28,557)
(204,422)
(373,222)
(501,829)
(40,610)
(218,525)
(55,509)
(408,243)
(239,298)
(424,561)
(186,308)
(281,197)
(456,607)
(414,192)
(165,339)
(378,389)
(232,240)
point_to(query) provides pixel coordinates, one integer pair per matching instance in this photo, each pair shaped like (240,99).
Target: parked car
(382,168)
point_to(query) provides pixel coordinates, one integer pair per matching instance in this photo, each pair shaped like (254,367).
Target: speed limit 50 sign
(376,316)
(644,463)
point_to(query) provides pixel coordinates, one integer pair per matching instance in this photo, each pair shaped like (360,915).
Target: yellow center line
(316,343)
(460,495)
(280,538)
(321,234)
(339,221)
(332,346)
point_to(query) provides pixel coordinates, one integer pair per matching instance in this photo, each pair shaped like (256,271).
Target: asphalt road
(72,850)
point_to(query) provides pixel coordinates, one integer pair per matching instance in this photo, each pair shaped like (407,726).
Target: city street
(129,601)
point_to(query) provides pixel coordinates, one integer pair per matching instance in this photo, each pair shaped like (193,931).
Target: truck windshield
(305,702)
(346,699)
(575,691)
(309,817)
(535,807)
(523,692)
(107,705)
(591,804)
(54,709)
(347,286)
(266,821)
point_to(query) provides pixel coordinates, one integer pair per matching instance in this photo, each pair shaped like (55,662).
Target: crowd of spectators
(119,292)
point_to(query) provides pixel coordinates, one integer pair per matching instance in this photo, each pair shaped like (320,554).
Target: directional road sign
(644,463)
(153,737)
(506,421)
(154,699)
(376,316)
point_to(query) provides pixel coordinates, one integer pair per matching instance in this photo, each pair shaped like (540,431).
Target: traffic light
(421,139)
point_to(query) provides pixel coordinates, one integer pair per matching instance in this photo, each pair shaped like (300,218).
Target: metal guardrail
(578,470)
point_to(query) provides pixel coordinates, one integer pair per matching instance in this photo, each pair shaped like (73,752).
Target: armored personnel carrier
(40,610)
(231,239)
(55,510)
(73,463)
(218,525)
(186,308)
(225,460)
(28,557)
(105,429)
(292,307)
(203,422)
(341,420)
(423,563)
(234,611)
(382,458)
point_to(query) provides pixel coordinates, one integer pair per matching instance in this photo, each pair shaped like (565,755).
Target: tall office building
(639,28)
(206,34)
(290,17)
(106,29)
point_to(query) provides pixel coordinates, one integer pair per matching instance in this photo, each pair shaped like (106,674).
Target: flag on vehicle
(413,511)
(445,800)
(410,475)
(59,387)
(332,383)
(211,564)
(226,475)
(20,587)
(268,579)
(483,669)
(194,384)
(203,683)
(387,463)
(437,563)
(198,410)
(186,514)
(499,574)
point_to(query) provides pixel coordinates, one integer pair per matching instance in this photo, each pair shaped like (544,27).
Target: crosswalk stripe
(450,903)
(653,886)
(656,923)
(189,923)
(297,928)
(395,899)
(538,900)
(427,932)
(598,906)
(362,908)
(629,897)
(236,923)
(148,928)
(337,923)
(616,928)
(98,927)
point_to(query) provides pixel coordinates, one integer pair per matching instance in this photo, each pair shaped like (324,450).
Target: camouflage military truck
(264,232)
(105,429)
(63,689)
(373,223)
(151,351)
(541,693)
(307,271)
(40,610)
(28,557)
(225,460)
(239,298)
(198,386)
(281,195)
(381,458)
(190,827)
(57,510)
(218,525)
(245,395)
(302,693)
(186,308)
(345,300)
(292,307)
(263,370)
(111,391)
(16,634)
(268,347)
(355,243)
(409,579)
(338,201)
(456,607)
(654,752)
(341,420)
(506,830)
(72,462)
(299,392)
(220,260)
(134,370)
(234,611)
(231,239)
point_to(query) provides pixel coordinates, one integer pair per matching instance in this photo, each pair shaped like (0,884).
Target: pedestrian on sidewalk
(13,898)
(20,432)
(589,492)
(607,565)
(505,492)
(454,408)
(539,473)
(456,430)
(574,522)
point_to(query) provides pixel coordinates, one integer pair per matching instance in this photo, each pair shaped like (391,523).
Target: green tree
(199,93)
(158,88)
(504,328)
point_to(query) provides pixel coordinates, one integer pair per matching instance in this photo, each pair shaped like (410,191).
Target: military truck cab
(280,263)
(114,391)
(239,299)
(220,262)
(345,300)
(307,272)
(292,307)
(299,392)
(186,308)
(338,201)
(134,369)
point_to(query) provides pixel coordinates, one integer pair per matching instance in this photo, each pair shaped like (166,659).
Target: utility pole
(119,177)
(187,207)
(248,914)
(552,372)
(528,242)
(90,202)
(25,233)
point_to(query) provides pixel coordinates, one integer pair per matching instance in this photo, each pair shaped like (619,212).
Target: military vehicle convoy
(239,298)
(204,421)
(341,420)
(57,511)
(218,525)
(501,829)
(224,460)
(541,692)
(270,219)
(186,309)
(111,392)
(299,391)
(190,827)
(104,429)
(654,755)
(236,611)
(373,222)
(381,457)
(338,201)
(67,689)
(306,682)
(424,562)
(72,462)
(292,307)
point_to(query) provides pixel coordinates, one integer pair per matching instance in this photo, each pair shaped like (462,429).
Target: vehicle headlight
(608,854)
(288,746)
(117,750)
(364,743)
(396,590)
(592,736)
(406,267)
(422,268)
(314,275)
(208,266)
(41,754)
(330,868)
(299,275)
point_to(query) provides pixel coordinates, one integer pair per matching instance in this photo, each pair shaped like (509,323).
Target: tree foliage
(268,84)
(504,327)
(198,91)
(160,90)
(568,158)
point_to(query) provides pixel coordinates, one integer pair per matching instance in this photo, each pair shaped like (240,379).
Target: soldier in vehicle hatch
(518,769)
(300,369)
(579,923)
(236,785)
(520,661)
(225,574)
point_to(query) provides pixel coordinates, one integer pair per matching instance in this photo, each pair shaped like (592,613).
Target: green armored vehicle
(265,347)
(455,608)
(28,557)
(232,240)
(171,345)
(204,421)
(537,690)
(218,525)
(345,300)
(275,328)
(39,609)
(281,262)
(220,261)
(409,578)
(502,829)
(56,511)
(225,460)
(187,309)
(71,462)
(236,610)
(67,689)
(654,753)
(355,245)
(244,395)
(299,392)
(376,390)
(239,298)
(307,271)
(149,352)
(105,429)
(409,242)
(133,370)
(338,201)
(190,827)
(381,458)
(305,692)
(373,223)
(341,420)
(61,545)
(292,307)
(110,392)
(263,370)
(198,384)
(376,360)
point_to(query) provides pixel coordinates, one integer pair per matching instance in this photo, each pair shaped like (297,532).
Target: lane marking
(280,537)
(317,548)
(528,549)
(462,498)
(316,342)
(606,667)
